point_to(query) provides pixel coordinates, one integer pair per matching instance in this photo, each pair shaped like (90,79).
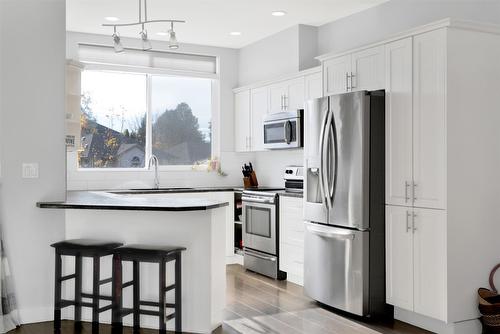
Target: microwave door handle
(321,163)
(287,128)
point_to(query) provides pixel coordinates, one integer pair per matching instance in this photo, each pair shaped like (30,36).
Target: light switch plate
(30,170)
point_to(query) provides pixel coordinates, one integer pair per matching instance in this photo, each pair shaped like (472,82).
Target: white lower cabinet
(416,260)
(291,253)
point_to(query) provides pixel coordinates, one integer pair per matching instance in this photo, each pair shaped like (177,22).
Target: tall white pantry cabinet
(442,83)
(442,173)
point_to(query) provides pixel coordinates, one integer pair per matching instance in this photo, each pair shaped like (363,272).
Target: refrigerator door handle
(326,159)
(322,159)
(332,137)
(328,233)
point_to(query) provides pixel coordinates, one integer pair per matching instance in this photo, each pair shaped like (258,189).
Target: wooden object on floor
(153,254)
(81,248)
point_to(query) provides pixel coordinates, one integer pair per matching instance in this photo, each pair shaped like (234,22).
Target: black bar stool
(81,248)
(152,254)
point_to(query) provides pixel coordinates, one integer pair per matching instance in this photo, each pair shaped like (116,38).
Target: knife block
(251,181)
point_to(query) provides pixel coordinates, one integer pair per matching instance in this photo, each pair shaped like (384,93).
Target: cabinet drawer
(294,234)
(292,260)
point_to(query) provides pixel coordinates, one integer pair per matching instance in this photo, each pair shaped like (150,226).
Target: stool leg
(178,293)
(162,286)
(78,292)
(57,294)
(95,294)
(116,313)
(137,296)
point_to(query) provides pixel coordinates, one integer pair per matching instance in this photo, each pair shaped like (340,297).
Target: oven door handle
(263,257)
(257,200)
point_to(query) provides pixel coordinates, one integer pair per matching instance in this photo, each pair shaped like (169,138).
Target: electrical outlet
(30,170)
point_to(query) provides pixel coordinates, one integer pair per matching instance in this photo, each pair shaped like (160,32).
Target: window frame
(150,72)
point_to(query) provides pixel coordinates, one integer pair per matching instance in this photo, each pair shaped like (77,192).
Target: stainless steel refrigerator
(344,252)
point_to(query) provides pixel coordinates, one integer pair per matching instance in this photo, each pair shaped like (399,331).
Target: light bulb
(146,44)
(117,44)
(172,42)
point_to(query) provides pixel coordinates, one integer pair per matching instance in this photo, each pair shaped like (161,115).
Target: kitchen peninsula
(193,221)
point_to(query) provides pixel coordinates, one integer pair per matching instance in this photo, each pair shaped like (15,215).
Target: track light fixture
(117,44)
(146,43)
(172,41)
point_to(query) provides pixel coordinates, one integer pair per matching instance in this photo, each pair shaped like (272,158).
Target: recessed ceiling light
(278,13)
(235,33)
(161,33)
(111,18)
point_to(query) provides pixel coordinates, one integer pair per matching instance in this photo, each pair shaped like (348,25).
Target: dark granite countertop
(172,190)
(101,200)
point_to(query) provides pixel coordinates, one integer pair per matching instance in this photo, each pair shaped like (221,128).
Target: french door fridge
(344,259)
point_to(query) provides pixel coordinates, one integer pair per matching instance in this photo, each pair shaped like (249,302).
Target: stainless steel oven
(283,130)
(260,232)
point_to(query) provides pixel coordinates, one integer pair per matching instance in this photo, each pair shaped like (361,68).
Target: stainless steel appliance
(283,130)
(344,257)
(260,232)
(294,179)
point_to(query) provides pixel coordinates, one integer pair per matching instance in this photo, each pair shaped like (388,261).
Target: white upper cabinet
(335,75)
(368,69)
(362,70)
(416,121)
(313,86)
(259,98)
(277,93)
(429,119)
(242,121)
(399,257)
(287,95)
(294,98)
(253,104)
(398,122)
(430,263)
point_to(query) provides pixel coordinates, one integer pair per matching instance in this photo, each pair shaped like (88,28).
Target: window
(126,117)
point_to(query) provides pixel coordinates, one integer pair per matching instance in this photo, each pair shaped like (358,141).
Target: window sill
(197,168)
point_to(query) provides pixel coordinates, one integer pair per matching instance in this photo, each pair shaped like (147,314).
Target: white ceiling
(209,22)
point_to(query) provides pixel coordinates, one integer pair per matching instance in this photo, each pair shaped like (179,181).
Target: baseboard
(39,314)
(472,326)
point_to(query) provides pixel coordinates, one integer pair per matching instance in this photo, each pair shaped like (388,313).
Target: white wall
(392,17)
(231,162)
(32,41)
(285,52)
(270,165)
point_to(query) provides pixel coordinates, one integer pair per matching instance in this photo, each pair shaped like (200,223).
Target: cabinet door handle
(285,102)
(352,85)
(414,192)
(408,227)
(413,225)
(346,81)
(407,196)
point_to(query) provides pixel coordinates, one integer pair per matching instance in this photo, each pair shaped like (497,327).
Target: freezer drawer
(336,271)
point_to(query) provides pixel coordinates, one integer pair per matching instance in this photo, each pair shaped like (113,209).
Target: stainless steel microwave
(283,130)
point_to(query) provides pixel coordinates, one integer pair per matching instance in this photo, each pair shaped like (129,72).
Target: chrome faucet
(153,160)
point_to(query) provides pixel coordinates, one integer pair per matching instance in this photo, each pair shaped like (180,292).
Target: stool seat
(86,244)
(149,250)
